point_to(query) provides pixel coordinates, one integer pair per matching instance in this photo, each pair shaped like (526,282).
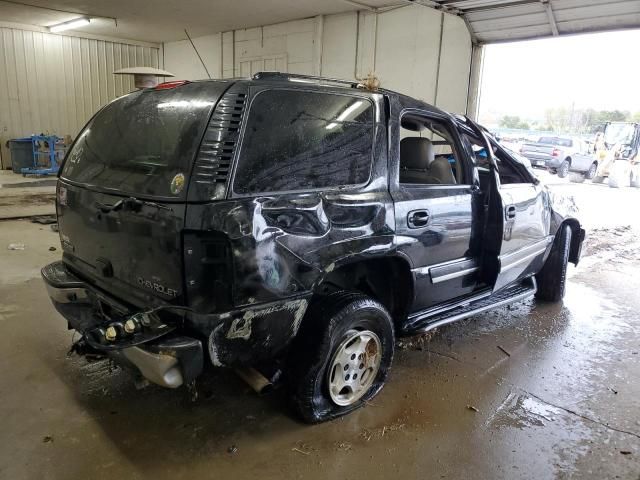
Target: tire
(575,177)
(591,173)
(563,169)
(634,180)
(613,181)
(552,278)
(330,322)
(597,180)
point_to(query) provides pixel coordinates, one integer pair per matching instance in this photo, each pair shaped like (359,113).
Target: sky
(600,71)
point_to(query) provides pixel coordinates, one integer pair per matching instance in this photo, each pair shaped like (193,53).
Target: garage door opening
(566,85)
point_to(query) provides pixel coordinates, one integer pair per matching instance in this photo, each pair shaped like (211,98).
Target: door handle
(510,212)
(417,218)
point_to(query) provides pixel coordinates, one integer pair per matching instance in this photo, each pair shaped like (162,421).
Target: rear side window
(143,143)
(297,140)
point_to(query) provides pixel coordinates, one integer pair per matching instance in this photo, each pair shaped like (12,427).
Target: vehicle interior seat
(418,163)
(440,171)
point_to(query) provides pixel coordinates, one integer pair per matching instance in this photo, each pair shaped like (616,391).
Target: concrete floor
(563,403)
(26,196)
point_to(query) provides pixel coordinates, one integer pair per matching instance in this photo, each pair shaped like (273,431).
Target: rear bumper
(168,360)
(553,162)
(543,161)
(243,337)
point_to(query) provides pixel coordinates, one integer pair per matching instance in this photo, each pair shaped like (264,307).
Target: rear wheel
(591,173)
(563,169)
(552,278)
(340,357)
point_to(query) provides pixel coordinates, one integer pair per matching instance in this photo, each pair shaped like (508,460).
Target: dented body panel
(231,271)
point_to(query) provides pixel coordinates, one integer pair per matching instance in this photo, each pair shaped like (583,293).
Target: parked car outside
(292,221)
(561,155)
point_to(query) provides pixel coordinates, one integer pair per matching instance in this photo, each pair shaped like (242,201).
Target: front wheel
(552,278)
(341,356)
(563,170)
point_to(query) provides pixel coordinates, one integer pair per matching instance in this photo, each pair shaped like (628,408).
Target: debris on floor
(417,342)
(344,446)
(302,448)
(472,408)
(16,246)
(504,350)
(232,449)
(47,439)
(52,249)
(44,219)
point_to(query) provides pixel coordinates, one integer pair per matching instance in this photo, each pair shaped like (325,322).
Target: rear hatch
(123,189)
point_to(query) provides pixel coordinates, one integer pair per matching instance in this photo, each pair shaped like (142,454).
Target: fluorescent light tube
(78,22)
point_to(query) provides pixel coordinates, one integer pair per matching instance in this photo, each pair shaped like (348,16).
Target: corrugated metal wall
(54,83)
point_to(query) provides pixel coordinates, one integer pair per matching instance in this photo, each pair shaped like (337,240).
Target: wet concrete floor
(531,391)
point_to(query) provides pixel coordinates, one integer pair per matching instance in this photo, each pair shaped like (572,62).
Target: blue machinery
(48,144)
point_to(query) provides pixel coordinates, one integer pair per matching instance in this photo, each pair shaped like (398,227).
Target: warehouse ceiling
(165,20)
(508,20)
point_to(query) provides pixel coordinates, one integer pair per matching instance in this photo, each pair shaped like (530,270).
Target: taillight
(170,85)
(555,152)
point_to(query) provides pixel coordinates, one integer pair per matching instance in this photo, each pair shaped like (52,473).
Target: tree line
(570,120)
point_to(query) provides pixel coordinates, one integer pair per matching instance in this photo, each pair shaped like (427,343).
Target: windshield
(143,143)
(618,133)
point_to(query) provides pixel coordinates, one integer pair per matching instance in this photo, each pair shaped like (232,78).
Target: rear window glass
(141,142)
(298,140)
(559,142)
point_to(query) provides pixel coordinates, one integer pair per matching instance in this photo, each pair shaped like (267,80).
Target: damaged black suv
(296,221)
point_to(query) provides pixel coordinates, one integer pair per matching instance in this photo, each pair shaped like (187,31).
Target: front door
(516,231)
(434,209)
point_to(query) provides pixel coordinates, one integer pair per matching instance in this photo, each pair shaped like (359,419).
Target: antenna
(198,54)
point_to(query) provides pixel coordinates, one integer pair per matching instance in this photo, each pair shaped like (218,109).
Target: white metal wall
(55,83)
(414,49)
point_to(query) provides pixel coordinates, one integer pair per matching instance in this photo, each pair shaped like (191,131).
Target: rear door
(122,191)
(516,231)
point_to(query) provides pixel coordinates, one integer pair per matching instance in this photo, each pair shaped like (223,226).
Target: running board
(425,321)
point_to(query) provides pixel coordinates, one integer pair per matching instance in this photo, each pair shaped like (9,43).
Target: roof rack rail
(270,75)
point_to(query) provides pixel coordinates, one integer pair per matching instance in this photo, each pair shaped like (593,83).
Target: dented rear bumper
(170,350)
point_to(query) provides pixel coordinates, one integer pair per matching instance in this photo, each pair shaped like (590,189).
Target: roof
(491,21)
(301,79)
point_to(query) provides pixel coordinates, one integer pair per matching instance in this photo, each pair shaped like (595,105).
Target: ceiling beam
(551,17)
(472,32)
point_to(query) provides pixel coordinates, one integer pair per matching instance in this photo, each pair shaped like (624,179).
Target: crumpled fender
(564,210)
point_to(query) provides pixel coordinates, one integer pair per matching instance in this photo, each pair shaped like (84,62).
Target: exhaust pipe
(255,380)
(163,370)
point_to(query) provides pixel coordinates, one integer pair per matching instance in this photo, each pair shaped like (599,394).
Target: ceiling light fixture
(75,23)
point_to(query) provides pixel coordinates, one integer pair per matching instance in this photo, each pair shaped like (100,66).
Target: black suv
(292,220)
